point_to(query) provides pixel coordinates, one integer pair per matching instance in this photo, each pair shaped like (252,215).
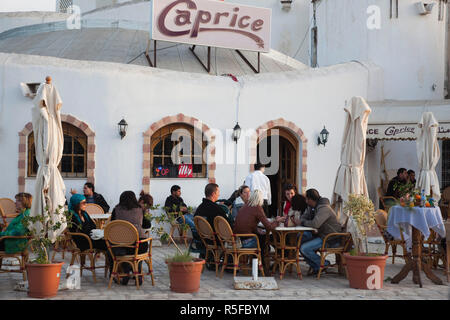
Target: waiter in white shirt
(257,180)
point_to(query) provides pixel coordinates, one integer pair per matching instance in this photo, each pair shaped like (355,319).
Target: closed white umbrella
(350,175)
(49,142)
(428,154)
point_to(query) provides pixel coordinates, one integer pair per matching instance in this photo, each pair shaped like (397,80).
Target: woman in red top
(289,191)
(248,218)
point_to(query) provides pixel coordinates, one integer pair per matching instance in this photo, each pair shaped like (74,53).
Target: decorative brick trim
(179,118)
(291,127)
(90,152)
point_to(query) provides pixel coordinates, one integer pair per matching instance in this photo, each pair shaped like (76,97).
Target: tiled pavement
(330,286)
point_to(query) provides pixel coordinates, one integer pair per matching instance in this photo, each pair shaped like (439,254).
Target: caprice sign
(211,23)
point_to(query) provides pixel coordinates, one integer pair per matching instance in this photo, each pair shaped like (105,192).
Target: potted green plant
(365,270)
(184,269)
(43,274)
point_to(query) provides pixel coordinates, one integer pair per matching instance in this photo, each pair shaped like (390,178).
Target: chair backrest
(204,229)
(381,217)
(121,233)
(445,196)
(92,208)
(223,230)
(8,206)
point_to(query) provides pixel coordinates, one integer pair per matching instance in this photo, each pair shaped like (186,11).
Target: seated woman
(130,210)
(82,223)
(145,201)
(297,208)
(15,227)
(248,218)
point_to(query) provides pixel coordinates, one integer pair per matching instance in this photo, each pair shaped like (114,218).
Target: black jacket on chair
(98,199)
(209,210)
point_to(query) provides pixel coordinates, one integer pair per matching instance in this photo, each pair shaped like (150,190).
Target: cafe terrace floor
(329,287)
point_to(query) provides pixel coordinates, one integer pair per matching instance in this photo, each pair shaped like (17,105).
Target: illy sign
(212,23)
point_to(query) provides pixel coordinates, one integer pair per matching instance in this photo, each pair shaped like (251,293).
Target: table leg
(416,263)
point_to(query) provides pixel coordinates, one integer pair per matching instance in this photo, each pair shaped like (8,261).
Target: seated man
(175,203)
(393,189)
(318,215)
(412,177)
(92,196)
(208,209)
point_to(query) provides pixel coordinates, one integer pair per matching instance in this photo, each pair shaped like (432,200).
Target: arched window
(74,160)
(166,158)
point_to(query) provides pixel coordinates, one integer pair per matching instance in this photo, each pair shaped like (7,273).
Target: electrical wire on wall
(240,86)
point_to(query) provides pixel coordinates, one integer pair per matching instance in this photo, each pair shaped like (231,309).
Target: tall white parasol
(49,142)
(428,154)
(350,175)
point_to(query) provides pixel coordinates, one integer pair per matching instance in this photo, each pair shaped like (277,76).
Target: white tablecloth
(423,219)
(299,228)
(100,216)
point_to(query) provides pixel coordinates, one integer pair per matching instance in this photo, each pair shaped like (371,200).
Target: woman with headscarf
(82,223)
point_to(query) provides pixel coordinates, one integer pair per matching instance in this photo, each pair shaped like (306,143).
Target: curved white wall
(100,94)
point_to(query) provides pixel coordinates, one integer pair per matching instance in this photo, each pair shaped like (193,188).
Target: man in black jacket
(175,202)
(208,209)
(93,197)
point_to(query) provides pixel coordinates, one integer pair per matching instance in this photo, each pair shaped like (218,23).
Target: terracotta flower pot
(43,279)
(365,272)
(185,276)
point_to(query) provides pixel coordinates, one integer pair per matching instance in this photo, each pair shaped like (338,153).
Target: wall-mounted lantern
(122,128)
(286,4)
(236,132)
(323,137)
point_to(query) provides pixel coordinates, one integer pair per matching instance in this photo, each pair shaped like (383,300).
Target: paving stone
(214,288)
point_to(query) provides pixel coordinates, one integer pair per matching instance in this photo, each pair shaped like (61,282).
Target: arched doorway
(288,158)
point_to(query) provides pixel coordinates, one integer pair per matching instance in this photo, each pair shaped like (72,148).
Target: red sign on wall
(185,171)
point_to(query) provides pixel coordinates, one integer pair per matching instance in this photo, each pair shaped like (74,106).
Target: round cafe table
(286,241)
(100,219)
(415,222)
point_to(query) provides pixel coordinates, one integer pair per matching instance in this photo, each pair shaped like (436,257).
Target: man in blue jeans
(318,215)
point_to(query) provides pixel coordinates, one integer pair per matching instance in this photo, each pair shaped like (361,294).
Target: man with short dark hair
(396,182)
(412,177)
(208,209)
(257,180)
(92,196)
(174,202)
(318,215)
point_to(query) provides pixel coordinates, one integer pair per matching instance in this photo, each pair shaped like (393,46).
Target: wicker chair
(92,208)
(388,202)
(120,233)
(430,249)
(22,257)
(230,248)
(445,203)
(344,244)
(62,245)
(7,210)
(91,253)
(381,219)
(208,237)
(181,232)
(446,257)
